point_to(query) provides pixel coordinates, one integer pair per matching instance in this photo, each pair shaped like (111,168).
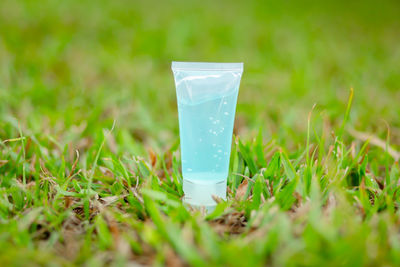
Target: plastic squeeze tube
(207,95)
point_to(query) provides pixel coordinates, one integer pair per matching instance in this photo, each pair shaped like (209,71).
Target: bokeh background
(70,68)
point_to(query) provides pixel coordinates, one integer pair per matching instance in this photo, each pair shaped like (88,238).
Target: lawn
(89,142)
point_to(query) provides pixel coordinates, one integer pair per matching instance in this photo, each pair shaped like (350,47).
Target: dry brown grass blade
(3,162)
(68,201)
(113,227)
(152,156)
(74,165)
(216,198)
(172,259)
(376,142)
(242,189)
(32,163)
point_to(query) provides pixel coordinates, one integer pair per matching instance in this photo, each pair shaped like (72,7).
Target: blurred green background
(69,68)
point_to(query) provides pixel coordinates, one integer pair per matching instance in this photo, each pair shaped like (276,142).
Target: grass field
(89,141)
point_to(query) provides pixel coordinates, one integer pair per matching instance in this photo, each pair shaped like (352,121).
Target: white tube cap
(200,194)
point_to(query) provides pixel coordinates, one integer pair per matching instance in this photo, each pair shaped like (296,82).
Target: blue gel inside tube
(206,95)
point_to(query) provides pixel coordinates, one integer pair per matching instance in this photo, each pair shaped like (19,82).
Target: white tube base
(201,194)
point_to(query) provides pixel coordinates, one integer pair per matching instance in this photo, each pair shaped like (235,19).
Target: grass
(89,147)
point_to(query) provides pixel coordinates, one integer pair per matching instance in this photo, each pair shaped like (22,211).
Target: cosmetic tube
(206,95)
